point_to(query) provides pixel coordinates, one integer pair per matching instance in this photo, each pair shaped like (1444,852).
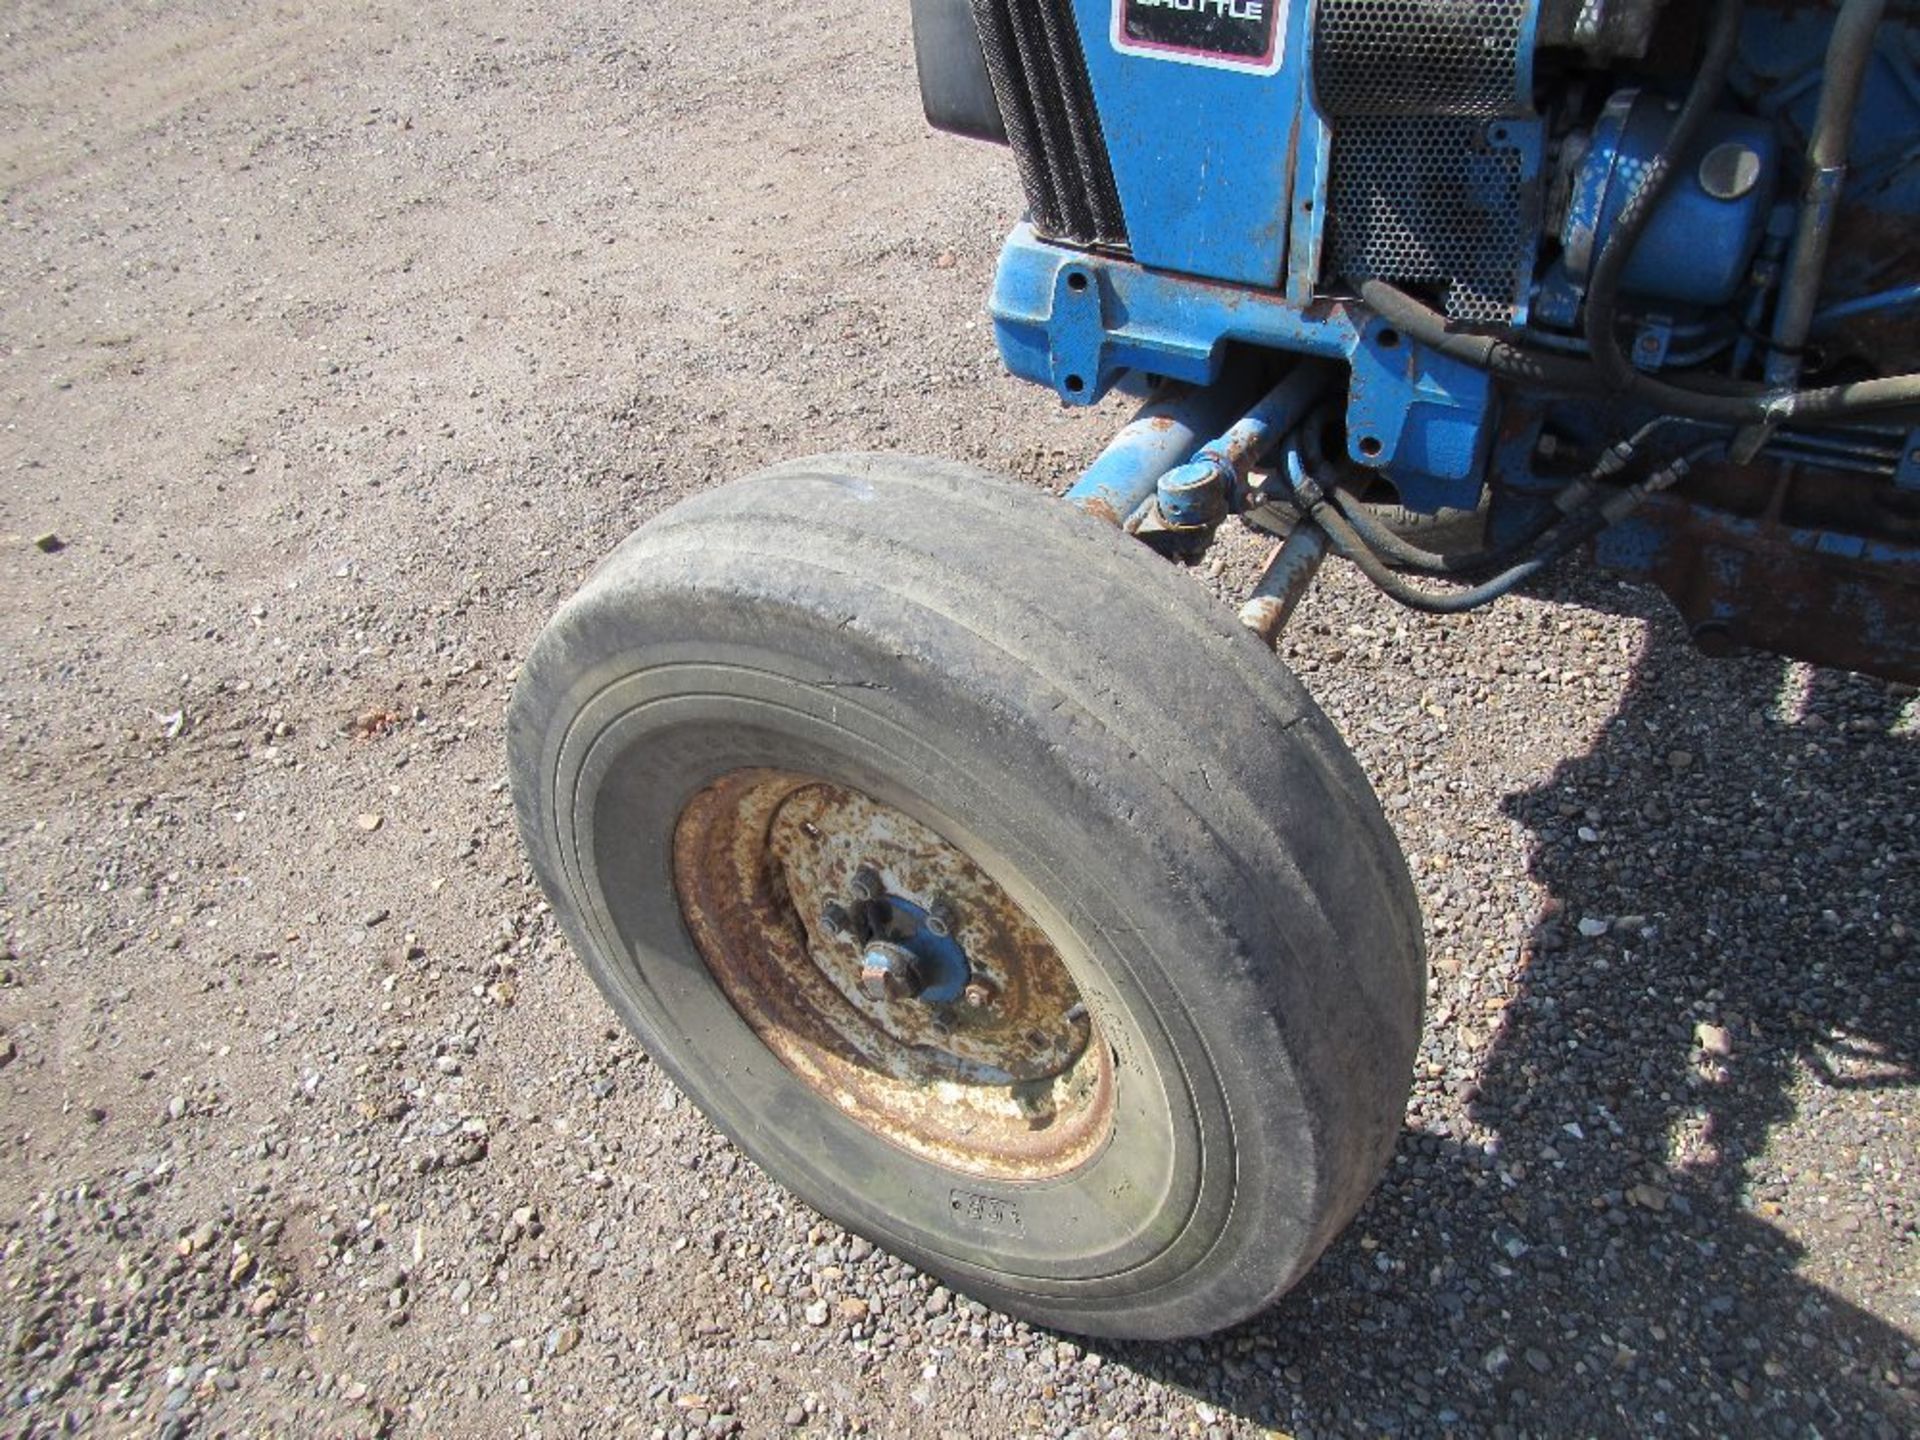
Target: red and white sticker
(1226,34)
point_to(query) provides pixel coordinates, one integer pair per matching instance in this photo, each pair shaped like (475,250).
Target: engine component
(1603,29)
(1699,244)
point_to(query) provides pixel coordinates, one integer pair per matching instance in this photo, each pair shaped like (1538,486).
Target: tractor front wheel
(984,882)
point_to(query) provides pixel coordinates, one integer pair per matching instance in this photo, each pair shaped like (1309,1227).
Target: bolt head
(866,884)
(979,995)
(835,920)
(940,917)
(890,972)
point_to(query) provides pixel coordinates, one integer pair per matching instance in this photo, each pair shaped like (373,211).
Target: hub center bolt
(891,972)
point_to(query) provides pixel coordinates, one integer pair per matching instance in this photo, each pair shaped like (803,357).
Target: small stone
(1680,761)
(795,1417)
(1496,1361)
(1713,1039)
(563,1340)
(1537,1360)
(375,917)
(816,1313)
(1648,1197)
(47,542)
(852,1309)
(1593,927)
(370,822)
(242,1267)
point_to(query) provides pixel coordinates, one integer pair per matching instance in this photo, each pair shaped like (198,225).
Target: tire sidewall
(1129,766)
(649,727)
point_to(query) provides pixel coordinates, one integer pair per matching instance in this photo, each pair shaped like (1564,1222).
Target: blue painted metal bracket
(1077,321)
(1423,417)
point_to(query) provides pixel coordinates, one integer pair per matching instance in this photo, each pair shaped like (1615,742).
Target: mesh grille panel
(1408,201)
(1417,193)
(1420,57)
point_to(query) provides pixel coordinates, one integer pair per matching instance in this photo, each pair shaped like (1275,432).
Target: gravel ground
(339,340)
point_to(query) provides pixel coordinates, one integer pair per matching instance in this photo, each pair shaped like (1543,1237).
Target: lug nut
(940,917)
(890,972)
(835,920)
(866,884)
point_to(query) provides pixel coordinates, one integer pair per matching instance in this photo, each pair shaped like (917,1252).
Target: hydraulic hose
(1320,504)
(1729,403)
(1347,541)
(1308,458)
(1485,352)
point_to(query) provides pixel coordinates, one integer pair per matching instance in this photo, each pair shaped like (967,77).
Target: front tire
(1198,942)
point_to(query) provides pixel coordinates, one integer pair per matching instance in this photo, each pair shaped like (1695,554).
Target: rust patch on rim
(1011,1081)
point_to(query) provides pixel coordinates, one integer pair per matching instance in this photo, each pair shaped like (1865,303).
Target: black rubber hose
(1401,552)
(1736,404)
(1347,541)
(1321,502)
(1603,286)
(1560,540)
(1572,498)
(1306,457)
(1486,352)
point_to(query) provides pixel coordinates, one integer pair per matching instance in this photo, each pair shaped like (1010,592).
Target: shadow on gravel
(1608,1262)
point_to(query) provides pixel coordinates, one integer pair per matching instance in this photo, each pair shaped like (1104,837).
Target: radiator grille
(1420,57)
(1039,76)
(1419,191)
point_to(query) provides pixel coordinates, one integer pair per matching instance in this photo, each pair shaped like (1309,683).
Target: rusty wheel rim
(832,921)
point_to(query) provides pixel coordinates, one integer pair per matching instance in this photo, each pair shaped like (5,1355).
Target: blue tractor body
(1450,208)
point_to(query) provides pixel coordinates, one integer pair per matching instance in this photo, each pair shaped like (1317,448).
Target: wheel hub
(892,974)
